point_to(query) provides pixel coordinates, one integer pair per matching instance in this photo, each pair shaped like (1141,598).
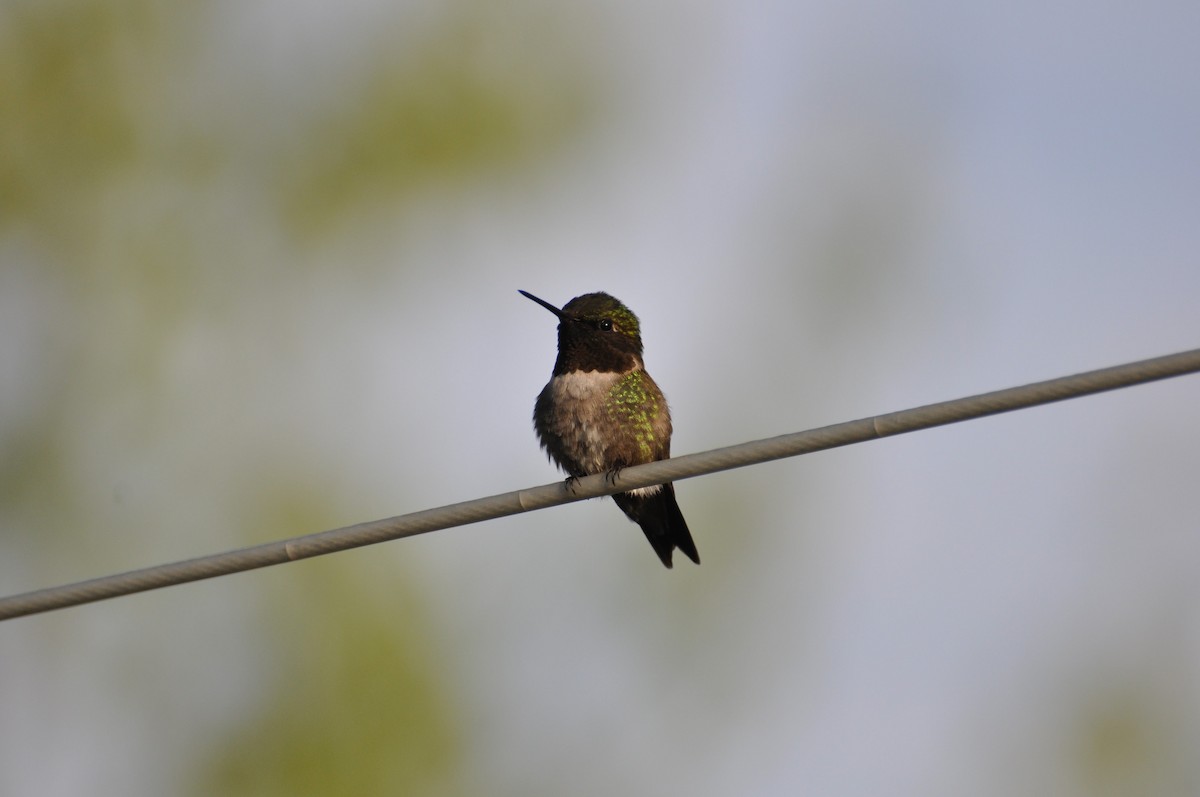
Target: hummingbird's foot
(612,475)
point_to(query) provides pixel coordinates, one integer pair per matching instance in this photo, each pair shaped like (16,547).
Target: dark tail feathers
(659,516)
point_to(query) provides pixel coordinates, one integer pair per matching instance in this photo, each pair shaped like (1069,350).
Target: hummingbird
(601,412)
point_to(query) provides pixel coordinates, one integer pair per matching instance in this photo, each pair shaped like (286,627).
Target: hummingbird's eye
(606,324)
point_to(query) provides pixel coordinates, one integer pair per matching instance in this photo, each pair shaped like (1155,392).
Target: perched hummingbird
(601,412)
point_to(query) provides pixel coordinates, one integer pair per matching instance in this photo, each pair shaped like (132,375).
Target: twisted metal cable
(547,495)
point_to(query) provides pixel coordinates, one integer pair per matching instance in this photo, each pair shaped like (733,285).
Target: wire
(548,495)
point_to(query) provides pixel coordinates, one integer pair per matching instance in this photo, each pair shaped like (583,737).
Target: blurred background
(259,266)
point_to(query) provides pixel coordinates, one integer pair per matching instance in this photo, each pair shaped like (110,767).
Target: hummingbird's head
(595,333)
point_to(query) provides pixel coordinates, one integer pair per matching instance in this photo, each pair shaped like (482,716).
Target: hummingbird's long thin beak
(542,302)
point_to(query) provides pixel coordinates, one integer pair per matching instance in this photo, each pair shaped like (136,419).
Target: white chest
(572,430)
(581,387)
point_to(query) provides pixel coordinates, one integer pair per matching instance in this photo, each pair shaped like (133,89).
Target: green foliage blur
(150,205)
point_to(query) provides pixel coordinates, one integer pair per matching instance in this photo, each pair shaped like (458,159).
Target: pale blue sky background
(820,212)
